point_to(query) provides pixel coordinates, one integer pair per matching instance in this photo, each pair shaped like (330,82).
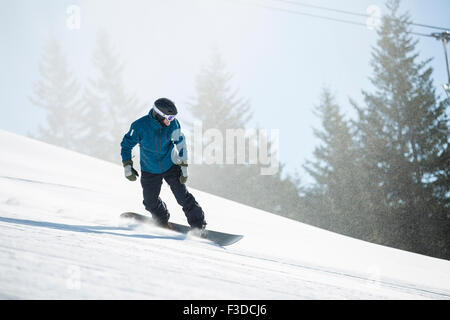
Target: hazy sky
(280,61)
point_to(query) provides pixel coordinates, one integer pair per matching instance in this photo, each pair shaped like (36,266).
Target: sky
(280,62)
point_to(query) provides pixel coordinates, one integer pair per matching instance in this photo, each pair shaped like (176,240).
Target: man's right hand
(130,173)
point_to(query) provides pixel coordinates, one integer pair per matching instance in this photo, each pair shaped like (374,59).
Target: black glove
(130,172)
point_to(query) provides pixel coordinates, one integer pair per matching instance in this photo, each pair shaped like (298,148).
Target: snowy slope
(61,238)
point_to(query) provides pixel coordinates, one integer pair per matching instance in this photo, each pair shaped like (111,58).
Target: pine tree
(110,109)
(218,107)
(58,93)
(403,140)
(336,198)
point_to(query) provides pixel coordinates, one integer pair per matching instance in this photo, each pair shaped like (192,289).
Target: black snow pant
(151,186)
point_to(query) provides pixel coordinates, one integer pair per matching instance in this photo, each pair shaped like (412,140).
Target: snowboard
(220,238)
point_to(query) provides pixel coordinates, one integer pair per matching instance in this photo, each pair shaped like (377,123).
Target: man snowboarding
(157,134)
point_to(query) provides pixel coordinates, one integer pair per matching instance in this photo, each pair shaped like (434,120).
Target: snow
(61,238)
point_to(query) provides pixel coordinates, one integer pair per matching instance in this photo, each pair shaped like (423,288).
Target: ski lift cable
(444,36)
(322,17)
(353,13)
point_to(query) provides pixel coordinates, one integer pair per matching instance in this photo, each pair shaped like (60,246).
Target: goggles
(169,117)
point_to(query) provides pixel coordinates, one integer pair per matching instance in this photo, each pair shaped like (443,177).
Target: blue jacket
(156,143)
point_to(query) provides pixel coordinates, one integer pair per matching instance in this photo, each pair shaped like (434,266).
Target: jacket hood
(153,122)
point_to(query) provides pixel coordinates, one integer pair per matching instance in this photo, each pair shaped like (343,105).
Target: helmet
(164,108)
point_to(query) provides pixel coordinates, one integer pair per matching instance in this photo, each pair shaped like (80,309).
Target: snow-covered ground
(61,238)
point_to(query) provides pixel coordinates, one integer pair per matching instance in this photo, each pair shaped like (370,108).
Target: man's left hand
(184,174)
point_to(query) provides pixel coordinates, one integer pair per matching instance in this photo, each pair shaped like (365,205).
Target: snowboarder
(157,134)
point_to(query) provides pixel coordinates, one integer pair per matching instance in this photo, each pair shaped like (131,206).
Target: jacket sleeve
(180,141)
(130,139)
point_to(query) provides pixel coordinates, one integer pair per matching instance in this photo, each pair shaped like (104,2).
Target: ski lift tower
(445,38)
